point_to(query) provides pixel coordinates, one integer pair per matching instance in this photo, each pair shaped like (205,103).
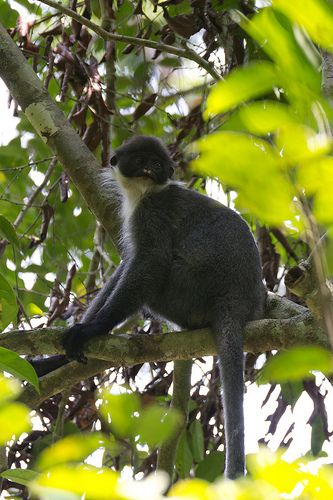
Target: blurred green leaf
(269,467)
(242,84)
(317,435)
(81,480)
(296,363)
(197,441)
(300,143)
(14,420)
(9,389)
(316,16)
(8,15)
(316,178)
(12,363)
(184,457)
(8,306)
(73,448)
(20,476)
(264,117)
(291,391)
(211,466)
(8,232)
(252,167)
(120,408)
(156,424)
(295,71)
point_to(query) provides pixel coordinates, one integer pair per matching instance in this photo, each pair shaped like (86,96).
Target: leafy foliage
(263,131)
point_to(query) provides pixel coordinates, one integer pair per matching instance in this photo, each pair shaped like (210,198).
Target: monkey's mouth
(149,174)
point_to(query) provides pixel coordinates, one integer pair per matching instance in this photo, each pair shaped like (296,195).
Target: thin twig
(33,196)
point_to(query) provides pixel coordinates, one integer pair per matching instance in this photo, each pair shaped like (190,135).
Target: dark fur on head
(144,156)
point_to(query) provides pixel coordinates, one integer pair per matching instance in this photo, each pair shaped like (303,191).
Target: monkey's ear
(171,171)
(114,160)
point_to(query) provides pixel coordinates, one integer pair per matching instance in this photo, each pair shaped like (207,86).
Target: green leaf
(14,420)
(8,232)
(81,480)
(291,392)
(156,424)
(8,306)
(8,15)
(251,166)
(242,84)
(9,389)
(316,16)
(264,117)
(12,363)
(20,476)
(120,409)
(296,363)
(184,457)
(316,178)
(317,435)
(73,448)
(295,72)
(211,467)
(197,441)
(300,143)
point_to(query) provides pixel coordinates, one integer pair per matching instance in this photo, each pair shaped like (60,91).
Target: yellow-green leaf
(316,16)
(155,424)
(296,364)
(264,117)
(317,179)
(253,168)
(242,84)
(299,143)
(297,74)
(73,448)
(9,389)
(119,408)
(80,480)
(14,420)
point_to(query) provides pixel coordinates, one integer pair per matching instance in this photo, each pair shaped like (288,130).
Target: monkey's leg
(132,292)
(228,333)
(180,398)
(43,366)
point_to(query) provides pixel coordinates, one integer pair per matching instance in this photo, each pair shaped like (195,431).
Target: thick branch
(117,350)
(128,350)
(54,129)
(302,281)
(142,42)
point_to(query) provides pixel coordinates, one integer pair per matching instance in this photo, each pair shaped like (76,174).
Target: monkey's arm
(139,279)
(103,295)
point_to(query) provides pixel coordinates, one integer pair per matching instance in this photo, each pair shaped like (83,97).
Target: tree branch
(141,42)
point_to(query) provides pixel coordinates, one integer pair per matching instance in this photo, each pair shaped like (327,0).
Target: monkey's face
(144,157)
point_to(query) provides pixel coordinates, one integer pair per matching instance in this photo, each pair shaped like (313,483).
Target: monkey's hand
(74,340)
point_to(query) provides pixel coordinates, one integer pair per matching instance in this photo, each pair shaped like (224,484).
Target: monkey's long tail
(228,333)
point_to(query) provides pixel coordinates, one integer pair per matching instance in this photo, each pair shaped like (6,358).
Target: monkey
(187,259)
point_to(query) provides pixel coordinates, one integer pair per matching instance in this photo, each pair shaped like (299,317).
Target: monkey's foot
(73,342)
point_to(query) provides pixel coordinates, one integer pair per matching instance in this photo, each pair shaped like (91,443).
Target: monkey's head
(145,157)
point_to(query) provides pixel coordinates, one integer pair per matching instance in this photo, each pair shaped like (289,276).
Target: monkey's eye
(114,161)
(138,161)
(156,164)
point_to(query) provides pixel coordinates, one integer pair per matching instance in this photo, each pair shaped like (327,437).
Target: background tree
(117,68)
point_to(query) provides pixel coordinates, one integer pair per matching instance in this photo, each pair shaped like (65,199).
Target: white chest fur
(133,190)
